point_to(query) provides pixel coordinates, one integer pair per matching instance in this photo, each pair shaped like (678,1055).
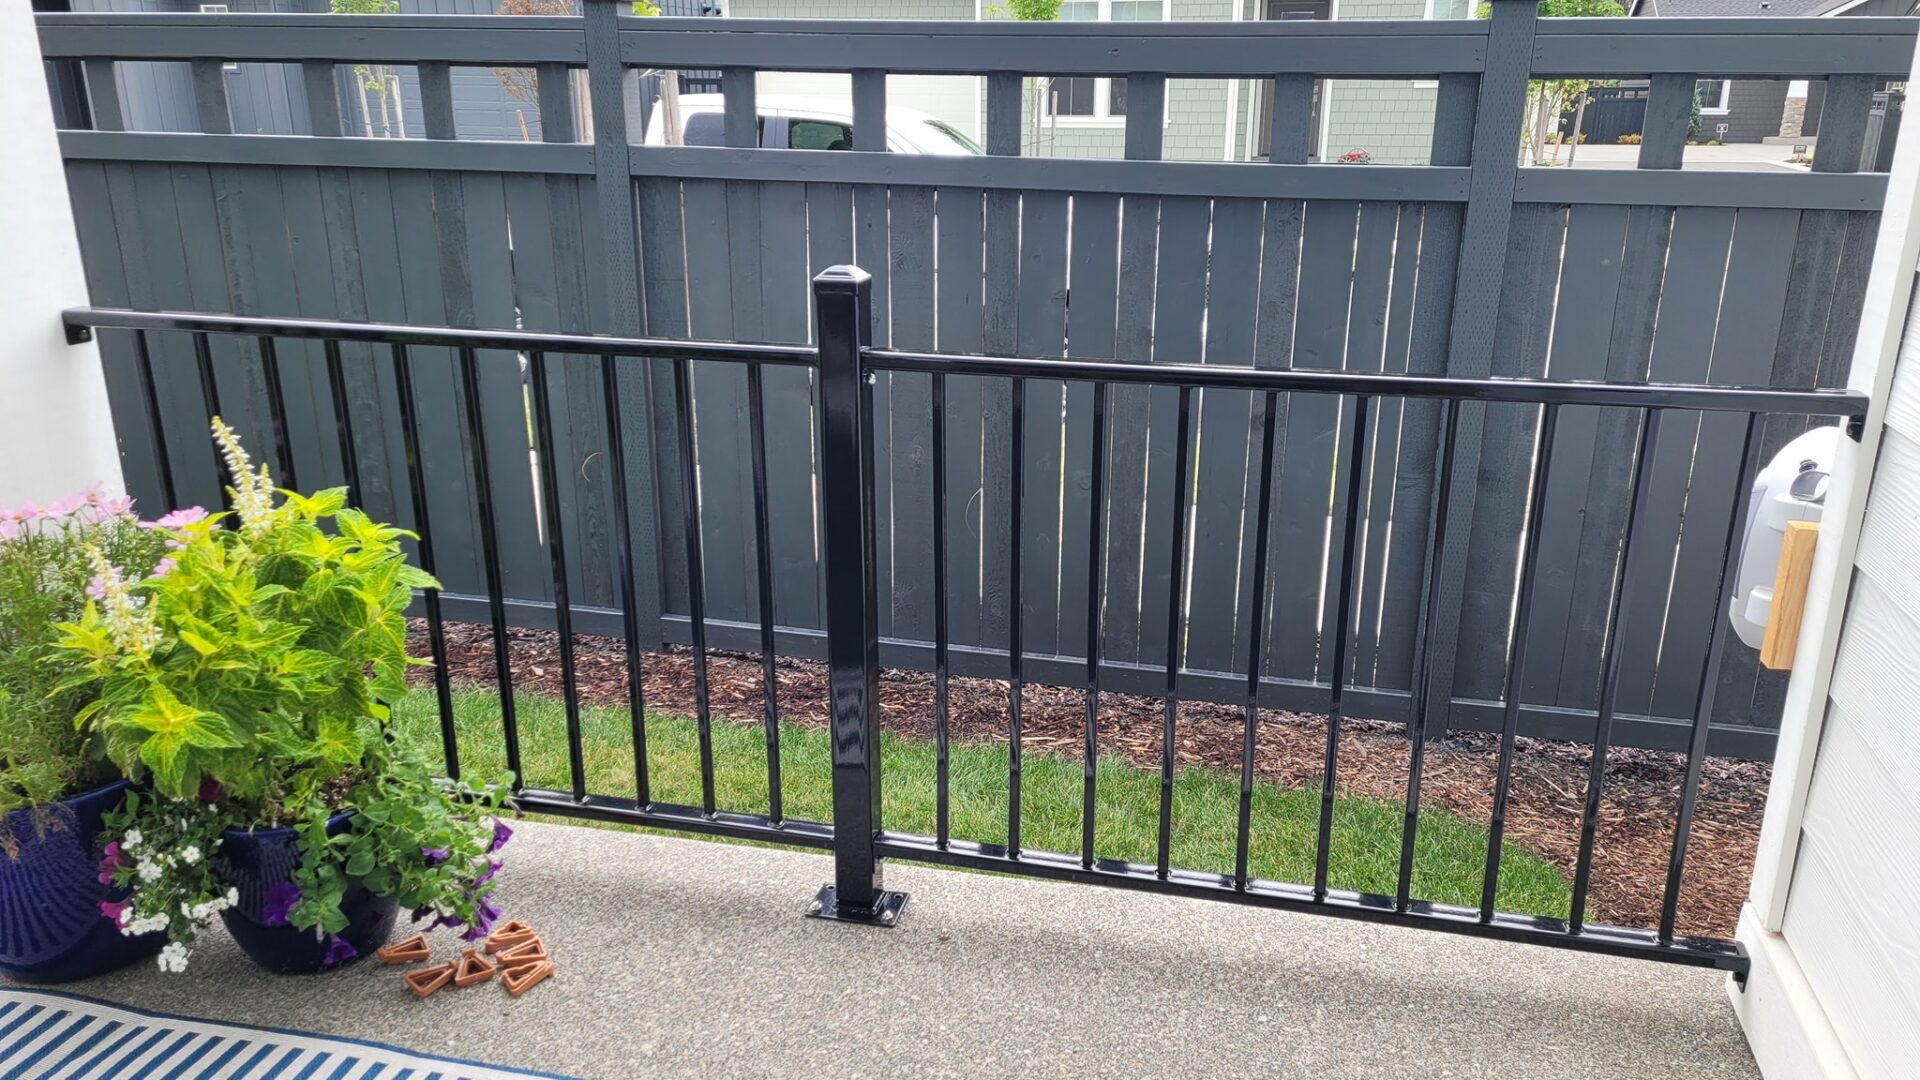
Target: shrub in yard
(249,686)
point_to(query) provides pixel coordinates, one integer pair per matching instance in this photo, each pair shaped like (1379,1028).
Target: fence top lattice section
(1775,48)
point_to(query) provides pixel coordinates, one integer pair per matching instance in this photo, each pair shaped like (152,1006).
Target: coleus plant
(249,681)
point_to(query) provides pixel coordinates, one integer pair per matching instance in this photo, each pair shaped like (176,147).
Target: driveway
(1734,157)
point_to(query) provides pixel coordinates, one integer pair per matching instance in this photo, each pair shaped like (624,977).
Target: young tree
(378,78)
(1547,98)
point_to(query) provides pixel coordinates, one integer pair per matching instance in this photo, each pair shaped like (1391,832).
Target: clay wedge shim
(472,969)
(410,951)
(522,979)
(426,981)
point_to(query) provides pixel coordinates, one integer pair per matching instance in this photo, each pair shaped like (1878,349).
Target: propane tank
(1793,487)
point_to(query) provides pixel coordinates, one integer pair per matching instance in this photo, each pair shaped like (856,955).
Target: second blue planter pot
(253,863)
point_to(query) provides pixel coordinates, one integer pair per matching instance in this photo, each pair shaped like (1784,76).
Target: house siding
(1391,119)
(1754,108)
(1857,945)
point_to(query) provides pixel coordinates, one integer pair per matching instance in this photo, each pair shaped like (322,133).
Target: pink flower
(165,566)
(117,507)
(177,519)
(115,911)
(9,528)
(65,505)
(97,588)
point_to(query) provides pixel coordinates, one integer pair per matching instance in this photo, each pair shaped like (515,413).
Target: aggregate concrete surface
(689,959)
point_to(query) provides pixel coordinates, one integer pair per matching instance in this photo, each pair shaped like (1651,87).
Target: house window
(219,9)
(1096,98)
(1712,96)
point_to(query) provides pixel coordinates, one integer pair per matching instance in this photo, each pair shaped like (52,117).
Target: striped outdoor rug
(48,1035)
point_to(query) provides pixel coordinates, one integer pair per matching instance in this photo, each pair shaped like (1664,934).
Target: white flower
(131,840)
(191,855)
(148,870)
(173,957)
(233,897)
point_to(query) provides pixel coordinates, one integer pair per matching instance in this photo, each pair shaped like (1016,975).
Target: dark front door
(1279,11)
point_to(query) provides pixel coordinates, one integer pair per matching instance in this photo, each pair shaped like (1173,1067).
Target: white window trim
(1726,93)
(220,9)
(1102,88)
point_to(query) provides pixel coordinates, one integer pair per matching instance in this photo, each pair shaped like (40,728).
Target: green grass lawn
(1449,854)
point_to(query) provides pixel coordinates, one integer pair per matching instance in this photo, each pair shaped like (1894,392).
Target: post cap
(842,278)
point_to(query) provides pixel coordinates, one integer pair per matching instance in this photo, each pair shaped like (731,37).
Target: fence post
(1476,304)
(843,305)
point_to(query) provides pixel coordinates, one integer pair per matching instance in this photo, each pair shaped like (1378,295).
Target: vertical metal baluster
(490,556)
(763,542)
(1343,611)
(1243,832)
(557,553)
(696,576)
(209,386)
(343,422)
(430,598)
(1610,666)
(629,609)
(941,762)
(162,461)
(277,412)
(1175,593)
(1517,656)
(1423,655)
(210,400)
(1096,552)
(1709,682)
(1016,467)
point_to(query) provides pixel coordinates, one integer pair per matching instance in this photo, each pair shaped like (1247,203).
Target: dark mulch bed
(1635,833)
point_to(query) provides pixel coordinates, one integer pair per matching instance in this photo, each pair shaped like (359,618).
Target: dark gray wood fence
(1467,266)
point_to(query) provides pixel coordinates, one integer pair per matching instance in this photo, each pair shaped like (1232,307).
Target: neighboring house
(1207,120)
(271,99)
(1755,110)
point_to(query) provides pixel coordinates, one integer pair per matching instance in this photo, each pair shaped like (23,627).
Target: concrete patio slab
(687,958)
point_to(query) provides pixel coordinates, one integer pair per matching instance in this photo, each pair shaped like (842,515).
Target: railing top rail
(1775,48)
(1742,399)
(80,318)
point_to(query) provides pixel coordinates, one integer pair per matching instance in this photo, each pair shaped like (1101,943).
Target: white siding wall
(1853,909)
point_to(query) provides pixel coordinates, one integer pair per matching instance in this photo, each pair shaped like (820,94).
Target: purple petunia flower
(339,951)
(487,874)
(485,913)
(501,834)
(278,904)
(434,855)
(209,787)
(115,911)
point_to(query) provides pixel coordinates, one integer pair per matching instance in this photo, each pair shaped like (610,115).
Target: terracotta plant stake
(531,951)
(522,979)
(425,981)
(473,969)
(412,950)
(508,934)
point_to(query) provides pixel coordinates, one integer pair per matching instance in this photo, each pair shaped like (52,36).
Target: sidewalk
(686,958)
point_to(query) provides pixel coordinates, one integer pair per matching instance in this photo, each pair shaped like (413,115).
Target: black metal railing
(847,364)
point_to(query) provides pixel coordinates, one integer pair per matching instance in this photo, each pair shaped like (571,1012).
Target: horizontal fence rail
(585,232)
(849,368)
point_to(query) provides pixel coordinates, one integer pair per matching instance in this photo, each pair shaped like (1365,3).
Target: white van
(803,123)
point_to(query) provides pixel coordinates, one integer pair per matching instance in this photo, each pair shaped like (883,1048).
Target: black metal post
(842,302)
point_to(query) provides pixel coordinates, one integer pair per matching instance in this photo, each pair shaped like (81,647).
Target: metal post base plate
(886,912)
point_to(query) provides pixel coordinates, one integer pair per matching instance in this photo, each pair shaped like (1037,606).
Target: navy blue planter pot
(51,928)
(254,862)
